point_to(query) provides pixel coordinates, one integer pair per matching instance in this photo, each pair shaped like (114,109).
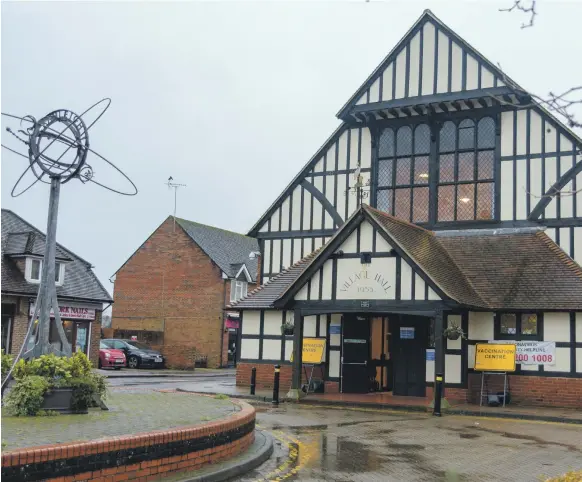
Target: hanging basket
(453,335)
(287,328)
(453,332)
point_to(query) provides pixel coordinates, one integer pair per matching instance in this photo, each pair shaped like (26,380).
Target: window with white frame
(238,290)
(33,271)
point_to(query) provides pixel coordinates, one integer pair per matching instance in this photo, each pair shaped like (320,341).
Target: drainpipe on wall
(223,323)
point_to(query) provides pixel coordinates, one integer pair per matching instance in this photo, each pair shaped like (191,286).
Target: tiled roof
(264,296)
(485,269)
(518,271)
(227,249)
(29,242)
(18,235)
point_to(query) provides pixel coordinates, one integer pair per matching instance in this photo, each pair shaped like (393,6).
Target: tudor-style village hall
(432,206)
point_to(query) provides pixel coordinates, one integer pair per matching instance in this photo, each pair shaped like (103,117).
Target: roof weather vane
(361,188)
(57,148)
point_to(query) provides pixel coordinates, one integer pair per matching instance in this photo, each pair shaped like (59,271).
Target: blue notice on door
(407,332)
(430,354)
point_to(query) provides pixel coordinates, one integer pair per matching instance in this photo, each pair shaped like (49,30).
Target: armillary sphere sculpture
(58,147)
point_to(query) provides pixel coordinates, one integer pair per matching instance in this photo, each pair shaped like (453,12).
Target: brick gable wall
(171,285)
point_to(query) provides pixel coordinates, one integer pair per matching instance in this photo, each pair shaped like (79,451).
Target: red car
(111,357)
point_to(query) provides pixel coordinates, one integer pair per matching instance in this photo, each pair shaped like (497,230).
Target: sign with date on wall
(534,352)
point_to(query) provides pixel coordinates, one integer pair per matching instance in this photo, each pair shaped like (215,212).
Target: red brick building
(172,292)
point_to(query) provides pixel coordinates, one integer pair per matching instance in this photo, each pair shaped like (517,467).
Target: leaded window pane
(420,170)
(384,200)
(422,139)
(485,203)
(485,161)
(448,137)
(486,133)
(447,168)
(508,324)
(420,204)
(466,166)
(404,141)
(446,203)
(465,202)
(466,134)
(529,324)
(386,144)
(402,203)
(385,172)
(403,171)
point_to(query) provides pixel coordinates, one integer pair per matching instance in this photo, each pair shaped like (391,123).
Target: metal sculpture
(67,131)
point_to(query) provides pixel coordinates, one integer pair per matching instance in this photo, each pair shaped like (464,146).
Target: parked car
(137,354)
(110,357)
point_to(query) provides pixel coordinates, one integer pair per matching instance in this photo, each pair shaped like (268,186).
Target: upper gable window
(466,162)
(403,167)
(33,271)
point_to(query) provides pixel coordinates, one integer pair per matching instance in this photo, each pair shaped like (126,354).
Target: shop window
(238,290)
(517,326)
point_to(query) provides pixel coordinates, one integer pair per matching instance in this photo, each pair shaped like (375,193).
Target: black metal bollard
(276,385)
(253,380)
(438,394)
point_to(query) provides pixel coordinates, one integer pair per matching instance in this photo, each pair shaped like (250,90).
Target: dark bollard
(438,394)
(253,380)
(276,385)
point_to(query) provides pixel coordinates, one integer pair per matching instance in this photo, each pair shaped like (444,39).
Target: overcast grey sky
(230,98)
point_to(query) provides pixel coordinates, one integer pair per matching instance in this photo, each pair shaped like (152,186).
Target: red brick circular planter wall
(141,457)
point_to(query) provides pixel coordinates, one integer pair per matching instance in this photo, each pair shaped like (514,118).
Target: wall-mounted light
(464,200)
(423,175)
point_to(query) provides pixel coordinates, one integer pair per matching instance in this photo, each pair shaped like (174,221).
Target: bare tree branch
(531,9)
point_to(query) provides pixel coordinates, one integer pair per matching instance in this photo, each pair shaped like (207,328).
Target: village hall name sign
(376,281)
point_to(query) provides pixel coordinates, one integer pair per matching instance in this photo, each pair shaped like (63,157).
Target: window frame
(234,285)
(456,153)
(435,123)
(519,336)
(59,268)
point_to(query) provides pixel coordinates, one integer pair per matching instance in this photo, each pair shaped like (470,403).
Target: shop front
(398,305)
(77,322)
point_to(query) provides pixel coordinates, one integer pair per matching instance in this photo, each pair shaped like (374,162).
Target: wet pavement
(323,444)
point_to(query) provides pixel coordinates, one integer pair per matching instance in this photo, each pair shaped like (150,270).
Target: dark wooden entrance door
(355,354)
(410,339)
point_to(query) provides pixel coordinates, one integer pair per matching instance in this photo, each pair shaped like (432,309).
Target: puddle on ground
(397,446)
(469,435)
(536,440)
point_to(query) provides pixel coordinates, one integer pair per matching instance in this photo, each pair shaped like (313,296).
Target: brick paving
(370,445)
(129,413)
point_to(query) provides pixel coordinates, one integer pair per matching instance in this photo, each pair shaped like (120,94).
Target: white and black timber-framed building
(461,165)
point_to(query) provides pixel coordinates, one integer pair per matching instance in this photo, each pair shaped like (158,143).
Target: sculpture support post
(47,293)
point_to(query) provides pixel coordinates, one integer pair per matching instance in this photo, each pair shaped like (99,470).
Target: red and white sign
(68,312)
(534,352)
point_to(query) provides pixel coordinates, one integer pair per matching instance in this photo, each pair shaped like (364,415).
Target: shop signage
(71,312)
(495,357)
(313,350)
(535,352)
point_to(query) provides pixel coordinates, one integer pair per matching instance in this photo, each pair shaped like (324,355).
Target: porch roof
(483,269)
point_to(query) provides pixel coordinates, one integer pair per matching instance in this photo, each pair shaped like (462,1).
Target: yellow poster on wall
(313,350)
(495,357)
